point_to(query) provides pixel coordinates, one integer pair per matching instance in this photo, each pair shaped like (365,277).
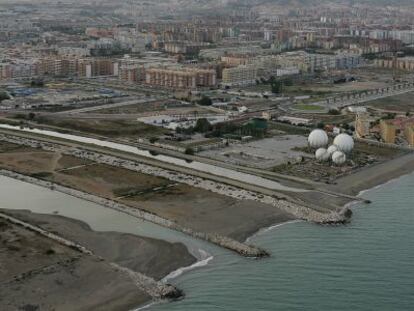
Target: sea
(367,264)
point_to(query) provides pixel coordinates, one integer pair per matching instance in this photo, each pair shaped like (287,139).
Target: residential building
(388,131)
(181,78)
(240,75)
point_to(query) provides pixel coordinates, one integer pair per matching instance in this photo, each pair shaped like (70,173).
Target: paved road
(369,98)
(108,106)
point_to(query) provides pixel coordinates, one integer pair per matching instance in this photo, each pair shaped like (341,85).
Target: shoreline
(373,176)
(206,261)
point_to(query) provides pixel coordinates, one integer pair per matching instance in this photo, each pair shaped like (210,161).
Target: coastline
(373,176)
(196,264)
(184,268)
(363,180)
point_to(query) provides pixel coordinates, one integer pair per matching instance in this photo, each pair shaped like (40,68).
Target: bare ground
(37,273)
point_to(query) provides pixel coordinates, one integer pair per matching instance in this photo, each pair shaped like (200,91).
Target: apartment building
(388,131)
(406,63)
(240,75)
(18,69)
(320,62)
(362,125)
(237,59)
(93,67)
(58,67)
(409,134)
(184,47)
(181,78)
(403,126)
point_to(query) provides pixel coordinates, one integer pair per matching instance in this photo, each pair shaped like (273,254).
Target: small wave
(145,306)
(267,229)
(201,263)
(362,192)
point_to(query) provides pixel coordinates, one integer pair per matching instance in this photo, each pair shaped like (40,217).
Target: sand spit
(155,289)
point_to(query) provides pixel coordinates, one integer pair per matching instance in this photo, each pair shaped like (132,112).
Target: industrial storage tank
(344,142)
(338,157)
(322,154)
(318,138)
(332,149)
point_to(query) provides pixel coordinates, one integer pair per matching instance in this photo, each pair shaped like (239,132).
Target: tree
(205,101)
(288,82)
(32,115)
(334,112)
(189,151)
(276,86)
(37,83)
(3,96)
(320,125)
(202,126)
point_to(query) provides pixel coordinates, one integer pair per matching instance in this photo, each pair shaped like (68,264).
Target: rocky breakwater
(157,290)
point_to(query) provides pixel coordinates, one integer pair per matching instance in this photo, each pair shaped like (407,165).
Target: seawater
(365,265)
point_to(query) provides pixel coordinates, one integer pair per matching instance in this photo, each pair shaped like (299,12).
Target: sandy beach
(375,175)
(39,272)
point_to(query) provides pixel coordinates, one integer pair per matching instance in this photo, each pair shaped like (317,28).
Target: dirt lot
(362,156)
(209,212)
(400,103)
(107,181)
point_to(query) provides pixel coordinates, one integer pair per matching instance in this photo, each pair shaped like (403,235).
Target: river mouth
(45,201)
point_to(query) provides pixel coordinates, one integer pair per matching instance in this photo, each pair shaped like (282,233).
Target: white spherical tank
(338,157)
(344,142)
(321,154)
(318,138)
(332,149)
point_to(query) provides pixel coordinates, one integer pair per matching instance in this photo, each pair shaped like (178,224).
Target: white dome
(344,142)
(338,157)
(321,154)
(318,139)
(332,149)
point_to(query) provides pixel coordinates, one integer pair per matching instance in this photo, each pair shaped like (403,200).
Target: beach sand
(59,278)
(373,176)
